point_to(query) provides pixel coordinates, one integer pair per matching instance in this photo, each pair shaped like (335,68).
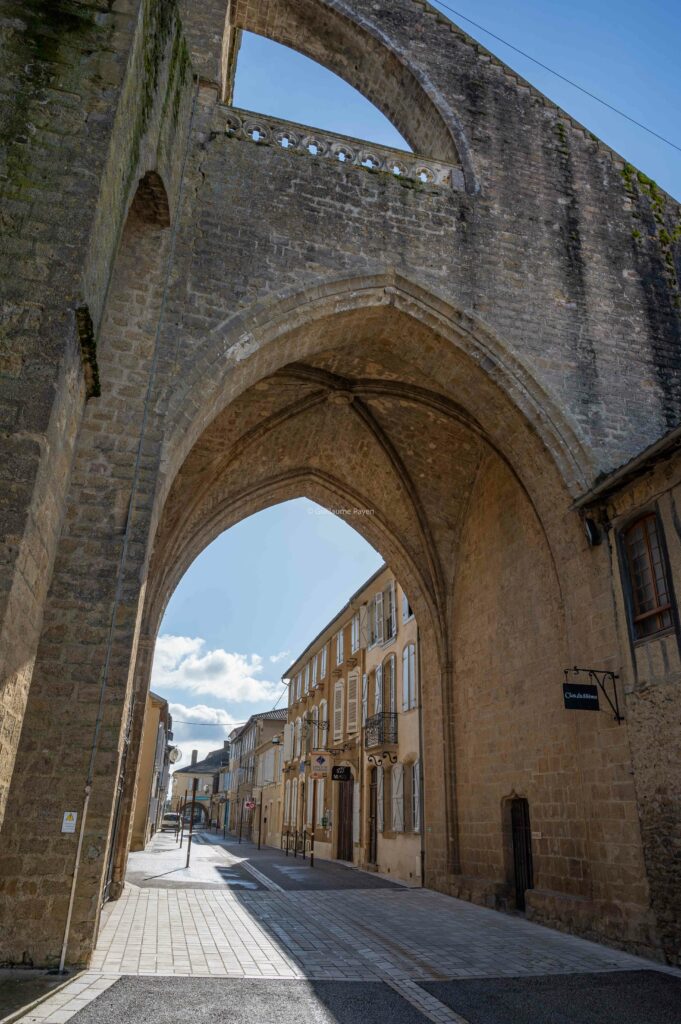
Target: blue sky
(255,598)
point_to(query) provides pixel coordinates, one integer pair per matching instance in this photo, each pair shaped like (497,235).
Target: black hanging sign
(341,773)
(580,696)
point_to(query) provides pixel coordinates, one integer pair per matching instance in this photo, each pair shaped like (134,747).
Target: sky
(256,597)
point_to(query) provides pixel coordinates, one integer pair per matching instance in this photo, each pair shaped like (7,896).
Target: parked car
(170,822)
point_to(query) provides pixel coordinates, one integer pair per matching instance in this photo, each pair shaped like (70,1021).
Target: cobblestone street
(250,935)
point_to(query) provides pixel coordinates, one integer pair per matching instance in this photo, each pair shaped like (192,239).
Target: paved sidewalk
(409,941)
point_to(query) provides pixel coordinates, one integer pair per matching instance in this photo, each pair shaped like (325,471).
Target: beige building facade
(153,780)
(240,782)
(353,696)
(206,796)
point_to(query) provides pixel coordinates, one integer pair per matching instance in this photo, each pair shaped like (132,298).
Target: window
(324,717)
(365,698)
(294,802)
(287,802)
(307,678)
(353,695)
(389,684)
(288,741)
(338,711)
(299,683)
(299,738)
(315,728)
(291,692)
(314,671)
(409,695)
(397,797)
(382,616)
(322,670)
(407,611)
(340,657)
(354,633)
(650,592)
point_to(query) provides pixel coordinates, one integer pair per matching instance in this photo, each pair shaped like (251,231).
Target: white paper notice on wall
(68,822)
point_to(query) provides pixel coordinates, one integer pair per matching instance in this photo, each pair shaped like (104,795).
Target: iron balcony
(380,729)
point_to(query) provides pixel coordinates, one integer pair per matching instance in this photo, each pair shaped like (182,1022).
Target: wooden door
(522,850)
(345,820)
(373,817)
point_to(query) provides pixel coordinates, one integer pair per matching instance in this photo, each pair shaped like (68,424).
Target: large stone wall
(464,359)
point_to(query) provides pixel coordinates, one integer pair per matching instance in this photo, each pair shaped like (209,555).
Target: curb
(22,1011)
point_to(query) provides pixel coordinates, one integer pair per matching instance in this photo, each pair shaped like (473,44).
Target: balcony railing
(380,730)
(349,152)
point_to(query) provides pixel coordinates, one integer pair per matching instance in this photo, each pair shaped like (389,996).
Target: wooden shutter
(287,802)
(392,696)
(365,698)
(355,813)
(413,698)
(397,789)
(405,679)
(338,711)
(378,613)
(378,690)
(379,799)
(352,704)
(324,711)
(320,800)
(416,797)
(310,791)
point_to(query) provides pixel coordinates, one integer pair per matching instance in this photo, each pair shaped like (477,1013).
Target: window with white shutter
(287,802)
(291,692)
(407,611)
(315,728)
(378,690)
(409,694)
(416,796)
(307,678)
(314,671)
(324,717)
(322,671)
(353,696)
(299,685)
(397,794)
(338,711)
(354,633)
(365,698)
(288,741)
(299,738)
(379,799)
(340,655)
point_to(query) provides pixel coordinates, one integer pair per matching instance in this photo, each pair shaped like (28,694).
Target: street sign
(341,773)
(319,766)
(250,805)
(580,696)
(68,822)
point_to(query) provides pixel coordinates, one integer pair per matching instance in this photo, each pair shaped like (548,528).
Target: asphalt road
(616,997)
(235,1001)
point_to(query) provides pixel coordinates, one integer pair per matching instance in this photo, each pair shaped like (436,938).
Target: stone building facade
(207,311)
(353,696)
(153,772)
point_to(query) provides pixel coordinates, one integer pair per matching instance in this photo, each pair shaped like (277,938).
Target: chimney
(195,755)
(226,745)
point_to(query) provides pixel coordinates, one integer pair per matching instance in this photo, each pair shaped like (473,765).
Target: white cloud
(274,658)
(199,728)
(182,663)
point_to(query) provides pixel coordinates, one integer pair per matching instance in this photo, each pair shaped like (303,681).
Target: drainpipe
(421,773)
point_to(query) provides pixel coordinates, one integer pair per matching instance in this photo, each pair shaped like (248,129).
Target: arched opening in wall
(360,55)
(312,95)
(364,400)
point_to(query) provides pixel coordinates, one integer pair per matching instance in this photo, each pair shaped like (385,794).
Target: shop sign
(319,766)
(580,696)
(341,773)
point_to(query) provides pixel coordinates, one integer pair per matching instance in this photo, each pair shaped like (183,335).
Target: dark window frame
(634,618)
